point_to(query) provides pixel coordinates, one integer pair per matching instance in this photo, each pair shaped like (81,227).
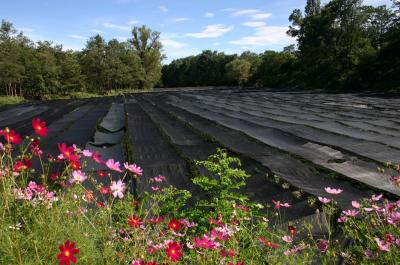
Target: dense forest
(36,69)
(342,45)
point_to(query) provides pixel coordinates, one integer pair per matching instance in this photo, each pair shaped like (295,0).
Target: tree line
(342,45)
(34,69)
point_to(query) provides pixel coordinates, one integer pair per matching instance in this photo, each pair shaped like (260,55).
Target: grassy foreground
(64,212)
(8,100)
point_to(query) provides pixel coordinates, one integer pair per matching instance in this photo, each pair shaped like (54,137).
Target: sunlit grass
(8,100)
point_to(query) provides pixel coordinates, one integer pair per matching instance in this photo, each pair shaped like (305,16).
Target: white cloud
(172,43)
(115,26)
(216,43)
(265,35)
(208,14)
(121,38)
(243,12)
(163,9)
(179,19)
(254,24)
(133,22)
(252,13)
(77,37)
(261,16)
(98,31)
(211,31)
(378,2)
(179,53)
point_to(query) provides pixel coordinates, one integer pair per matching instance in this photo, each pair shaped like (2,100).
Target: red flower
(292,230)
(135,221)
(68,152)
(218,222)
(40,127)
(75,165)
(174,251)
(68,252)
(101,173)
(227,253)
(104,190)
(100,204)
(97,158)
(11,136)
(174,225)
(23,165)
(155,220)
(35,148)
(55,176)
(268,243)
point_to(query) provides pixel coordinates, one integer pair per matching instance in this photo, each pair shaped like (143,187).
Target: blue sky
(187,26)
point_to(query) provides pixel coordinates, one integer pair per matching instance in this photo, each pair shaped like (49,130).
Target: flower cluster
(36,194)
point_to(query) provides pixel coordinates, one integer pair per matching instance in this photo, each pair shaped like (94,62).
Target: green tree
(93,63)
(147,46)
(239,70)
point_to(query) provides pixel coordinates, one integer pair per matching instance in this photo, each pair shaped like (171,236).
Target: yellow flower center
(66,253)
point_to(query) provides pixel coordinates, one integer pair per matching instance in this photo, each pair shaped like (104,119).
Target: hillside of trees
(35,69)
(343,45)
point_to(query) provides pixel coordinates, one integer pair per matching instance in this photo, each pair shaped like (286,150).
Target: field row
(292,144)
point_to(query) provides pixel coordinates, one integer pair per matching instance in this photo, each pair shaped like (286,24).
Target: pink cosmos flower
(333,191)
(324,200)
(323,245)
(278,204)
(356,204)
(351,212)
(187,224)
(393,218)
(78,176)
(368,209)
(368,254)
(378,209)
(376,197)
(117,189)
(97,158)
(205,242)
(294,250)
(134,169)
(382,245)
(113,165)
(287,239)
(159,178)
(222,233)
(138,262)
(154,188)
(87,153)
(395,180)
(342,219)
